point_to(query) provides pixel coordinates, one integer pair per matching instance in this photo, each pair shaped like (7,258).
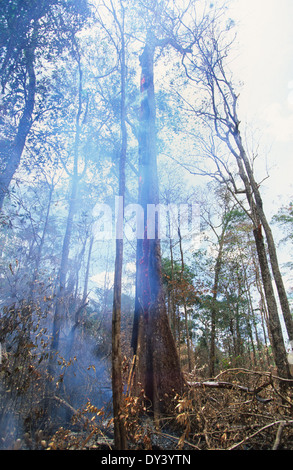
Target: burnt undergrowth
(240,409)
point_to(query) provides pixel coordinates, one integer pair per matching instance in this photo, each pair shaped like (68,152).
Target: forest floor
(238,410)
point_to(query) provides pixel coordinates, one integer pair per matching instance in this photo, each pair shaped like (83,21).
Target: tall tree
(76,176)
(36,32)
(117,384)
(219,111)
(226,217)
(158,367)
(11,151)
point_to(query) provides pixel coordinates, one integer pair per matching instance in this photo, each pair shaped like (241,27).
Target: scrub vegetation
(142,301)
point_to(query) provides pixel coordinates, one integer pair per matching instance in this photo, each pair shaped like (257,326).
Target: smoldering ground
(82,376)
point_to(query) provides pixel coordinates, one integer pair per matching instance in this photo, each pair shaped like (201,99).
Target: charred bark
(158,368)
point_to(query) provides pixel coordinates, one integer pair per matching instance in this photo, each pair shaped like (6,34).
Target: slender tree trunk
(251,317)
(158,367)
(42,241)
(185,306)
(61,287)
(279,350)
(14,151)
(32,290)
(263,309)
(239,348)
(255,204)
(117,382)
(218,265)
(266,331)
(252,327)
(60,296)
(234,344)
(288,319)
(87,273)
(84,302)
(171,294)
(249,314)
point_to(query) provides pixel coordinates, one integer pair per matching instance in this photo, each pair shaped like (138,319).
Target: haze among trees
(141,296)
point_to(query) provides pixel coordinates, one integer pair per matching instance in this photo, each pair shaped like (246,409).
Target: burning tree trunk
(157,368)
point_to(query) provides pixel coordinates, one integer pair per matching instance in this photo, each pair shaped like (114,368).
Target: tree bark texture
(230,120)
(257,213)
(278,347)
(158,368)
(288,319)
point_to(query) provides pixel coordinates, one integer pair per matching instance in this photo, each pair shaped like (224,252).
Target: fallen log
(232,386)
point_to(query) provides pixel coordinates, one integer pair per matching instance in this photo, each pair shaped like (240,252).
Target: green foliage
(77,107)
(179,281)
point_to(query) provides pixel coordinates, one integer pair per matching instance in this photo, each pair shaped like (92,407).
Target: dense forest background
(106,108)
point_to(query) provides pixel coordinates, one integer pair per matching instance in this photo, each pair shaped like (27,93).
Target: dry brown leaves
(237,418)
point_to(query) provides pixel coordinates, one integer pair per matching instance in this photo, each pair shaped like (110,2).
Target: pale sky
(265,65)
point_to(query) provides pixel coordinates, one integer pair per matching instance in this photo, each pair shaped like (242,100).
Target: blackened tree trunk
(263,310)
(158,368)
